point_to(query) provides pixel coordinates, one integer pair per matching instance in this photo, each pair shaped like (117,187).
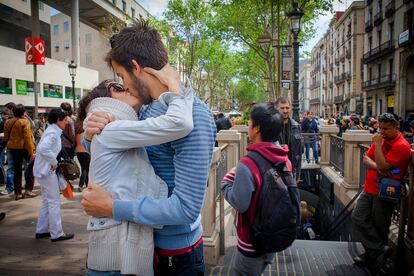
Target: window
(66,44)
(89,59)
(55,29)
(26,87)
(66,26)
(88,39)
(132,13)
(391,66)
(379,36)
(5,86)
(52,91)
(124,6)
(56,46)
(69,93)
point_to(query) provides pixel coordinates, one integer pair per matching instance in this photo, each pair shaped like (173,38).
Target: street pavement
(22,254)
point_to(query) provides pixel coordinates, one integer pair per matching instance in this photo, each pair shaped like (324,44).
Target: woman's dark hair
(269,119)
(18,110)
(355,119)
(55,115)
(99,91)
(139,42)
(78,127)
(66,107)
(10,105)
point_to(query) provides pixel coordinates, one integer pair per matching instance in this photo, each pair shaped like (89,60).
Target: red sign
(35,50)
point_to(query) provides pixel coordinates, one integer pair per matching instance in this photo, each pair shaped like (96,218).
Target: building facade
(389,57)
(94,44)
(16,78)
(304,87)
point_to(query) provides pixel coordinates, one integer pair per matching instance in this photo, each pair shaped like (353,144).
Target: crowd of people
(145,149)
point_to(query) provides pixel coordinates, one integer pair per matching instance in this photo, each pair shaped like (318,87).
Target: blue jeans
(191,263)
(10,173)
(314,149)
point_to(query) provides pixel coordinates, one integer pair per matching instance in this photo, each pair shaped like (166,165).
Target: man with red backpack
(264,193)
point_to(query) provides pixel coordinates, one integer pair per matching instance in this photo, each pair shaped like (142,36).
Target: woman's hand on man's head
(168,76)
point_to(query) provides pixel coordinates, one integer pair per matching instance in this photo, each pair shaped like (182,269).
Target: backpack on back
(277,215)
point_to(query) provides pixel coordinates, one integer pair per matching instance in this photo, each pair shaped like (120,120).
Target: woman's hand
(168,76)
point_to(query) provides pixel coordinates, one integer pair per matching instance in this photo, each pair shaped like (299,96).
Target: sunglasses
(116,86)
(112,40)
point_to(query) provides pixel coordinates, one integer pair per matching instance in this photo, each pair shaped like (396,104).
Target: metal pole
(295,81)
(34,6)
(75,31)
(73,94)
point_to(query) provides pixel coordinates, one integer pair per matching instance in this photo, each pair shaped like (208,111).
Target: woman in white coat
(44,171)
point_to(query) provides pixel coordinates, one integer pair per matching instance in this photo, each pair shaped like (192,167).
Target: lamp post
(72,71)
(295,15)
(264,42)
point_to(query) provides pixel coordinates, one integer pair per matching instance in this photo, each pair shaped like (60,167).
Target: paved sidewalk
(22,254)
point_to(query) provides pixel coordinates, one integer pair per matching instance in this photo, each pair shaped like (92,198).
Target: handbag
(390,189)
(69,169)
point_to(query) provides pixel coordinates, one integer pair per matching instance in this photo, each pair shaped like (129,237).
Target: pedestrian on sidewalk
(83,156)
(388,157)
(291,135)
(68,134)
(310,126)
(45,173)
(18,134)
(9,174)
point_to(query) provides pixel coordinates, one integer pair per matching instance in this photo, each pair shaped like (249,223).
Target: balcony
(380,51)
(378,18)
(315,101)
(368,26)
(382,82)
(342,77)
(339,99)
(342,57)
(390,9)
(337,60)
(314,85)
(407,1)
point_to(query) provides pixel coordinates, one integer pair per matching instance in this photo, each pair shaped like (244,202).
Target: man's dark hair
(10,105)
(55,115)
(355,119)
(283,100)
(140,42)
(18,110)
(66,107)
(220,115)
(269,119)
(389,118)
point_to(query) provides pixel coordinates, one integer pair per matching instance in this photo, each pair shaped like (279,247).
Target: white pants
(49,214)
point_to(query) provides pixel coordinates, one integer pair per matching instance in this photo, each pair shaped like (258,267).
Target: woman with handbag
(18,134)
(45,173)
(82,155)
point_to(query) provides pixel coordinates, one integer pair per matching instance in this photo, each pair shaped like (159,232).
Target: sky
(157,7)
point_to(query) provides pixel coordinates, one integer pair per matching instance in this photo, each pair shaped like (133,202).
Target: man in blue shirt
(183,164)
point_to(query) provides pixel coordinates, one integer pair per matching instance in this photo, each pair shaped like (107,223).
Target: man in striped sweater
(183,164)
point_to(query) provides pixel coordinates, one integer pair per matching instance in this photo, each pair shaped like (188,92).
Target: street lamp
(72,71)
(295,15)
(264,42)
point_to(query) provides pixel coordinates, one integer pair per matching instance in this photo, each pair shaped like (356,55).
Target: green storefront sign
(21,87)
(5,86)
(52,91)
(69,95)
(5,90)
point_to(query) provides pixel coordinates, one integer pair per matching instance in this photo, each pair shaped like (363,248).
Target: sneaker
(42,235)
(2,216)
(29,194)
(5,192)
(65,236)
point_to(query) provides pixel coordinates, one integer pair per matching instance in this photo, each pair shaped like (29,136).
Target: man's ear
(136,67)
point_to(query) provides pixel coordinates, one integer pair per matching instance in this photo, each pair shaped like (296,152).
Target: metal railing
(363,169)
(337,149)
(379,51)
(390,8)
(221,169)
(386,80)
(378,18)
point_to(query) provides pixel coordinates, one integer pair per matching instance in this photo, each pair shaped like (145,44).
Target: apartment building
(317,77)
(389,57)
(94,44)
(348,43)
(304,87)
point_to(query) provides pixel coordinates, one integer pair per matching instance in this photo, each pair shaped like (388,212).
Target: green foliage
(221,37)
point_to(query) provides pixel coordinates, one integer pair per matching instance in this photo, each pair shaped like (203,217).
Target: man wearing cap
(388,156)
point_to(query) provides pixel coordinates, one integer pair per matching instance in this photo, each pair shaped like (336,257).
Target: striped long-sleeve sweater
(184,165)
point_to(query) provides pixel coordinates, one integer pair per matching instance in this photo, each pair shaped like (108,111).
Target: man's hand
(96,201)
(377,138)
(96,123)
(168,76)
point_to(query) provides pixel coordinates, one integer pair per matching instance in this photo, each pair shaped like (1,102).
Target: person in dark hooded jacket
(238,185)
